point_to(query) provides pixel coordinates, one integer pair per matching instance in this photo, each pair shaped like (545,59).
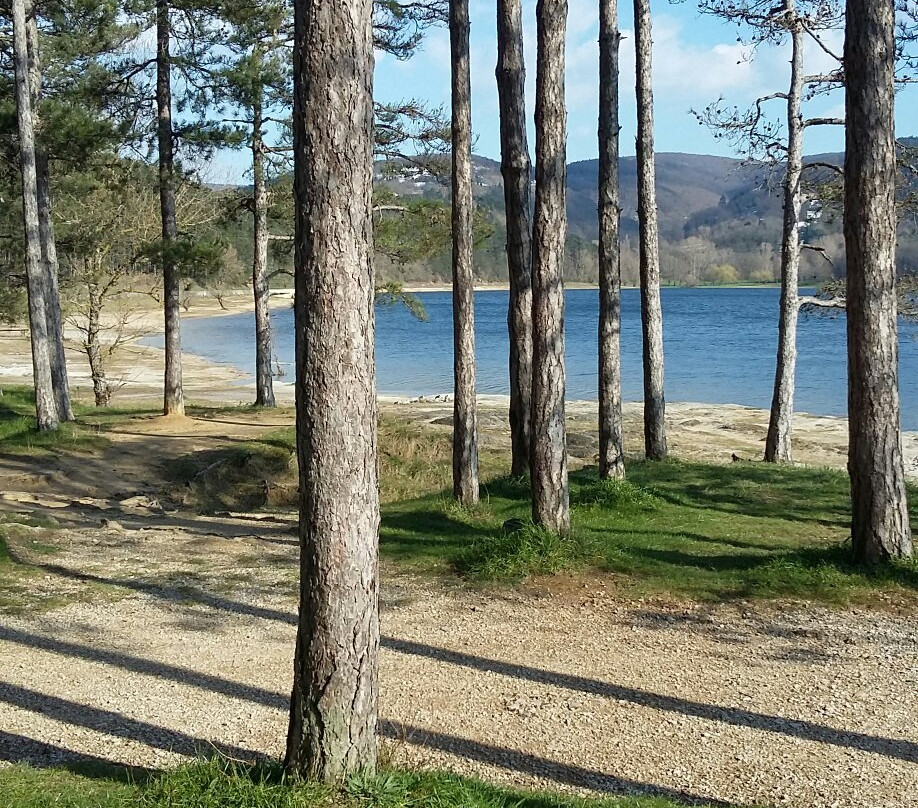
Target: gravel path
(795,707)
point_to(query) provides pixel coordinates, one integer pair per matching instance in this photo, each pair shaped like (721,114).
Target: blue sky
(697,59)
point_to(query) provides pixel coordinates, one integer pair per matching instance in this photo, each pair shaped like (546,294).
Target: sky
(696,58)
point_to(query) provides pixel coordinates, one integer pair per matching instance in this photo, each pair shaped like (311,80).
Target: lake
(719,345)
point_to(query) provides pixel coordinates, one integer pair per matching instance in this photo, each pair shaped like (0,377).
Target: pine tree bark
(550,497)
(49,263)
(333,712)
(651,308)
(173,395)
(101,389)
(465,426)
(45,403)
(611,432)
(516,170)
(264,339)
(879,521)
(778,442)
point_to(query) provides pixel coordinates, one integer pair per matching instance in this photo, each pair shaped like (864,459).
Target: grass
(675,529)
(19,436)
(223,784)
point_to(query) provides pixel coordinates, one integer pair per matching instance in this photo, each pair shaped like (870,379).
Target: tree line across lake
(86,93)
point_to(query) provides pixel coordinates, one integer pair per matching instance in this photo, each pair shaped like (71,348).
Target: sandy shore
(715,432)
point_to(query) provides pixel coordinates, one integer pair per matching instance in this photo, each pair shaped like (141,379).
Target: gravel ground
(746,705)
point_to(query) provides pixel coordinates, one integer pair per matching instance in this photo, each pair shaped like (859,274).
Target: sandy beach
(714,432)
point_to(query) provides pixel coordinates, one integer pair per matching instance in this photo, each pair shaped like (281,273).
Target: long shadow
(739,544)
(109,722)
(716,487)
(900,749)
(42,753)
(148,667)
(796,728)
(20,749)
(527,763)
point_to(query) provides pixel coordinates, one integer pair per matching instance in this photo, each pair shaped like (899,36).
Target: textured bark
(101,389)
(465,427)
(333,712)
(550,499)
(651,309)
(45,403)
(879,520)
(49,263)
(516,169)
(611,435)
(778,448)
(173,396)
(264,339)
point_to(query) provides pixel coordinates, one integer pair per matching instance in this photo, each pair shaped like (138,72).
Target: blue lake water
(719,346)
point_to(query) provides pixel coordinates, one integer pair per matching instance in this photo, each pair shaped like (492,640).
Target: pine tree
(550,496)
(333,714)
(465,427)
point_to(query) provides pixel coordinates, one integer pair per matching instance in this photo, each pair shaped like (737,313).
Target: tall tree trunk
(45,403)
(778,441)
(264,340)
(550,498)
(59,379)
(465,426)
(334,704)
(879,520)
(611,433)
(651,309)
(173,396)
(516,170)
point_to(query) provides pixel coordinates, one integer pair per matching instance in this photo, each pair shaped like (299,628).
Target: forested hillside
(720,222)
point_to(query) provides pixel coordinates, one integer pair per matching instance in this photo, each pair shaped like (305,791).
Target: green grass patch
(19,435)
(224,784)
(529,550)
(675,529)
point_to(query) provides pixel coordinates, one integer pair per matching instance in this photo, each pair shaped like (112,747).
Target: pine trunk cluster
(332,731)
(879,522)
(46,403)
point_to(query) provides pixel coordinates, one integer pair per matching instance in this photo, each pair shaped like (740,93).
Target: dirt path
(179,634)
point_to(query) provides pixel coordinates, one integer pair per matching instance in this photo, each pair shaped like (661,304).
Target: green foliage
(722,275)
(392,294)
